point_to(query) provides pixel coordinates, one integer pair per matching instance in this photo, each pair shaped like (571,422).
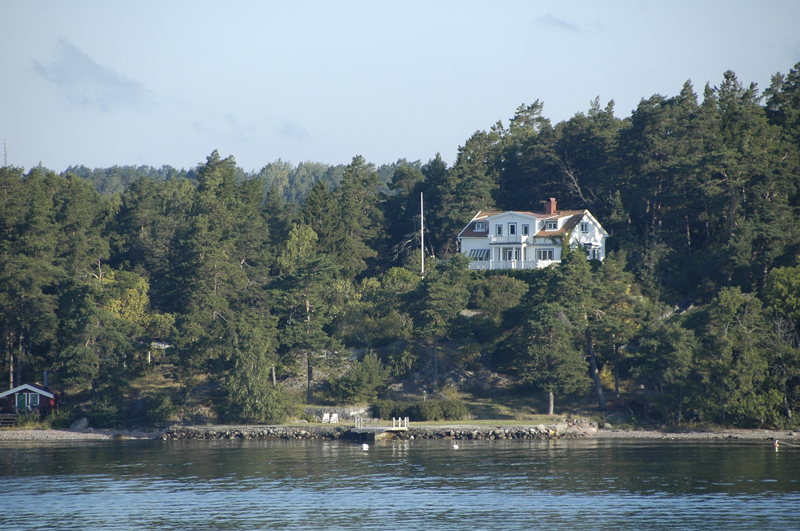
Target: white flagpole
(422,234)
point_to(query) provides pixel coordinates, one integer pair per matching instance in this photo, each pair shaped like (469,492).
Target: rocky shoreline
(571,429)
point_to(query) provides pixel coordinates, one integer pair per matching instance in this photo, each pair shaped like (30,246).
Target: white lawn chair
(334,418)
(326,417)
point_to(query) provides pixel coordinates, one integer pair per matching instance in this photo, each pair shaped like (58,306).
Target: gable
(27,388)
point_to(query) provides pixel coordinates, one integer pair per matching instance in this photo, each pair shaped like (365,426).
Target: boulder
(80,424)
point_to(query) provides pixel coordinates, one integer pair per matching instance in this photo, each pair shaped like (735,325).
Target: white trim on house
(27,387)
(530,240)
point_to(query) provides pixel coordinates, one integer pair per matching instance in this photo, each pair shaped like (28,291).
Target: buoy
(365,446)
(776,445)
(455,447)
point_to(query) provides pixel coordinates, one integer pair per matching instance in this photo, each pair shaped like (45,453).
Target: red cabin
(29,397)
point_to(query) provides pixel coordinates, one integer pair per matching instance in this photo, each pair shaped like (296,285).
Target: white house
(529,240)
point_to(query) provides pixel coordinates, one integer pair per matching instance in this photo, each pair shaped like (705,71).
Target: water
(568,484)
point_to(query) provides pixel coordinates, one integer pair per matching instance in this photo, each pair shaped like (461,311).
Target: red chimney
(550,207)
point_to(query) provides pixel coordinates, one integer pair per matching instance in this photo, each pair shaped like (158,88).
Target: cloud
(559,23)
(291,130)
(86,83)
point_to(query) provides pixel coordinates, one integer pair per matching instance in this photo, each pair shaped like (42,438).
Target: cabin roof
(36,388)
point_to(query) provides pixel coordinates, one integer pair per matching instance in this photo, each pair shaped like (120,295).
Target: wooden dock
(372,429)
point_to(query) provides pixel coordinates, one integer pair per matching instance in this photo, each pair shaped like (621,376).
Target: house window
(512,229)
(524,230)
(509,253)
(552,225)
(544,254)
(33,399)
(479,254)
(584,227)
(499,230)
(480,226)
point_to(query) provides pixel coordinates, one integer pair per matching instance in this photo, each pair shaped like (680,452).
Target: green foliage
(365,381)
(241,271)
(402,362)
(105,413)
(29,420)
(159,408)
(421,411)
(61,418)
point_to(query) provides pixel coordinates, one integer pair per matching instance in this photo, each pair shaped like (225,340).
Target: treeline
(255,277)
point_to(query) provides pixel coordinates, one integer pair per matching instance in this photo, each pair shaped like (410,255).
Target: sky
(166,83)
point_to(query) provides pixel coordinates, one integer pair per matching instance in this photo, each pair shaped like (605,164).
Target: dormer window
(524,230)
(480,226)
(551,225)
(499,230)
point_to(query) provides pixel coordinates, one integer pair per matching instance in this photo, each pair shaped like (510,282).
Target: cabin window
(480,226)
(544,254)
(525,230)
(512,229)
(584,227)
(499,230)
(33,399)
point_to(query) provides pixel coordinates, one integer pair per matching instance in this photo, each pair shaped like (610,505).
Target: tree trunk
(310,397)
(616,372)
(551,403)
(435,364)
(274,383)
(601,400)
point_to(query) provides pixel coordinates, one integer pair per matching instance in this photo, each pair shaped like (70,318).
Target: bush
(402,363)
(104,413)
(159,408)
(365,381)
(29,419)
(270,405)
(60,418)
(426,410)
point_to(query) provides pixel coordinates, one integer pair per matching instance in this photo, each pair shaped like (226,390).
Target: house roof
(36,388)
(575,216)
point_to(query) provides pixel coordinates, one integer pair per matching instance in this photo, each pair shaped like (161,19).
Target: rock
(80,424)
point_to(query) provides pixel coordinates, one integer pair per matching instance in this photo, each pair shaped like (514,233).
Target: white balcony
(494,265)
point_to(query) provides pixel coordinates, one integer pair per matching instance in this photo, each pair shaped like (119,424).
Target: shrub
(104,413)
(159,408)
(421,411)
(454,410)
(60,418)
(365,381)
(269,405)
(427,410)
(29,419)
(403,362)
(387,409)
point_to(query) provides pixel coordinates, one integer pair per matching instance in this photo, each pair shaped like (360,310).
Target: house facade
(28,397)
(530,240)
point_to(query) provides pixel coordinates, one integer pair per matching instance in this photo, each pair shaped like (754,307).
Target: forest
(302,284)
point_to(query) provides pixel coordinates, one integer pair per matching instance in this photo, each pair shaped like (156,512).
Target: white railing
(400,423)
(514,238)
(492,265)
(375,423)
